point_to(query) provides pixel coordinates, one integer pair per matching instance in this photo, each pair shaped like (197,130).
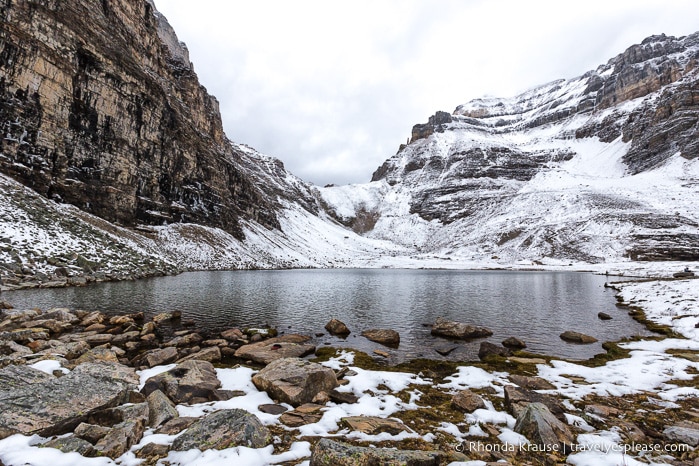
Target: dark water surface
(533,306)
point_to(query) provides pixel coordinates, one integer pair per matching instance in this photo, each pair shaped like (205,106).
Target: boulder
(542,428)
(160,409)
(190,381)
(604,316)
(467,401)
(384,336)
(491,349)
(514,343)
(295,381)
(71,444)
(451,329)
(184,340)
(337,327)
(90,432)
(160,357)
(329,452)
(233,334)
(131,423)
(61,314)
(211,354)
(577,337)
(372,425)
(223,429)
(57,405)
(177,425)
(517,399)
(286,346)
(687,433)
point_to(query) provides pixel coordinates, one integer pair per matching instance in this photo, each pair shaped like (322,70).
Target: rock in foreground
(224,429)
(189,382)
(451,329)
(295,381)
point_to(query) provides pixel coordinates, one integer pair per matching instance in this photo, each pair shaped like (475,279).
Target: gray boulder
(57,405)
(224,429)
(332,453)
(451,329)
(542,428)
(160,409)
(295,381)
(191,381)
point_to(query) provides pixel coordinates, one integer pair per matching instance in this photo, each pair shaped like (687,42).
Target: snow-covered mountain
(114,164)
(603,167)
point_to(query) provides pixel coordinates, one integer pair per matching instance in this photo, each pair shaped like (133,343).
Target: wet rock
(490,349)
(161,357)
(185,382)
(374,425)
(184,340)
(532,383)
(329,452)
(604,316)
(467,401)
(517,399)
(273,409)
(308,413)
(451,329)
(444,350)
(514,343)
(542,428)
(577,337)
(295,381)
(160,409)
(57,405)
(384,336)
(224,429)
(286,346)
(71,444)
(337,327)
(177,425)
(212,354)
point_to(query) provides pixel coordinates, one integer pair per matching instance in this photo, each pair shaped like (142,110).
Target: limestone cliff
(101,108)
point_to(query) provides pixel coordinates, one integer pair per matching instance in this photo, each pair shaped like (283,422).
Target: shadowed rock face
(100,107)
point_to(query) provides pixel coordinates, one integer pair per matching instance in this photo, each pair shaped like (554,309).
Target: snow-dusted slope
(598,168)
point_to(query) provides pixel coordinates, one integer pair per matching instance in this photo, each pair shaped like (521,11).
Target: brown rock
(384,336)
(532,383)
(337,327)
(294,381)
(96,328)
(308,413)
(93,318)
(233,334)
(273,409)
(161,357)
(153,451)
(177,425)
(517,399)
(467,401)
(374,425)
(514,343)
(185,382)
(452,329)
(577,337)
(543,429)
(121,320)
(286,346)
(212,354)
(91,432)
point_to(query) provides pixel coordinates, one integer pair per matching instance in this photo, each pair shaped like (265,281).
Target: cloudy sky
(332,88)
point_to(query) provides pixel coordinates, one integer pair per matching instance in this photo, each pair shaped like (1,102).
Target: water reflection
(533,306)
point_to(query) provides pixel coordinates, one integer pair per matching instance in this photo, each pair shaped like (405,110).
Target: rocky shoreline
(121,387)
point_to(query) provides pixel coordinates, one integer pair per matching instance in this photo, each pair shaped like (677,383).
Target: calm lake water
(533,306)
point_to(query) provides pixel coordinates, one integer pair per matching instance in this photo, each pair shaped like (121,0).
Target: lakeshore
(632,405)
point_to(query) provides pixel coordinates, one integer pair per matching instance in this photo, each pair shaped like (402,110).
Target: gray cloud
(333,88)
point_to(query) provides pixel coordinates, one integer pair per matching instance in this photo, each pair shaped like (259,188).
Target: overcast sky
(332,88)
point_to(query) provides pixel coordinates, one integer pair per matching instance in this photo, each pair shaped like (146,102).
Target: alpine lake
(535,307)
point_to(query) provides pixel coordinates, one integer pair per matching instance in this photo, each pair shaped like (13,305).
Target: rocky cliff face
(595,168)
(101,108)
